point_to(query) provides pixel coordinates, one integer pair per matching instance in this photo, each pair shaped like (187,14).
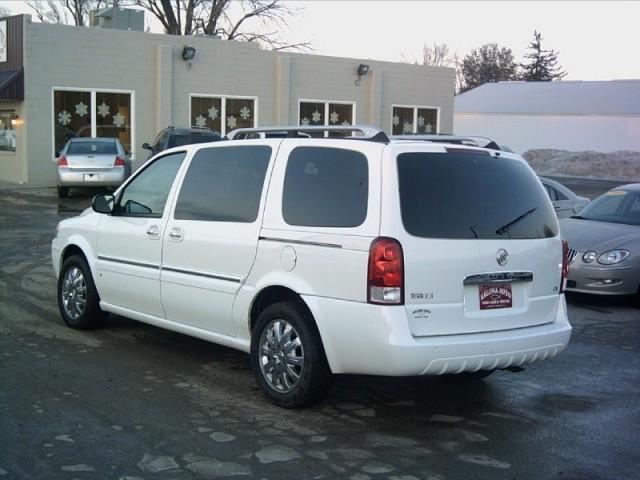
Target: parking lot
(134,401)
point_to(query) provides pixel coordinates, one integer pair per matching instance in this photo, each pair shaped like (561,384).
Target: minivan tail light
(385,279)
(119,162)
(565,266)
(62,161)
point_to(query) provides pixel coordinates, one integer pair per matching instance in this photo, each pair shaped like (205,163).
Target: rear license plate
(495,296)
(91,177)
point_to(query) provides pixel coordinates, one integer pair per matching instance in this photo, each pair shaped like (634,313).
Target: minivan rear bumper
(376,340)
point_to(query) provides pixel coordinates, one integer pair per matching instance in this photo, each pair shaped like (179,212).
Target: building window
(406,120)
(313,112)
(92,113)
(7,131)
(237,112)
(113,117)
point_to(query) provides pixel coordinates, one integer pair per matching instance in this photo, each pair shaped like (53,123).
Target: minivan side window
(224,184)
(325,187)
(146,195)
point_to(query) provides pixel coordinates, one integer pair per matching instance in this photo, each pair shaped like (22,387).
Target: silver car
(565,202)
(92,162)
(604,244)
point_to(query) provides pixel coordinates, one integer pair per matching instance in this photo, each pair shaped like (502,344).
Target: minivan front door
(129,242)
(211,240)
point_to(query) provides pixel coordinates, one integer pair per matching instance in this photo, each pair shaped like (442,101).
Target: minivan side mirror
(103,203)
(146,146)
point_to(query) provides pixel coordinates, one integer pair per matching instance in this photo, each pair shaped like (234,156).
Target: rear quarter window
(469,194)
(325,187)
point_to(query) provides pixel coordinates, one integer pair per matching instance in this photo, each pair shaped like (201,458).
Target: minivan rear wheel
(287,356)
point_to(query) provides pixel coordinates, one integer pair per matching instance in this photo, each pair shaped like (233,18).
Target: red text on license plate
(495,296)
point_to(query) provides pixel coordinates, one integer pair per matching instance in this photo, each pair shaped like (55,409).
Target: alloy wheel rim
(281,356)
(74,293)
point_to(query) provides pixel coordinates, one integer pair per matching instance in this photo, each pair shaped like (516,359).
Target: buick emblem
(502,256)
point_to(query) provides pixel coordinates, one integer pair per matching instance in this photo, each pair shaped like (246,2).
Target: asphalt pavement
(132,401)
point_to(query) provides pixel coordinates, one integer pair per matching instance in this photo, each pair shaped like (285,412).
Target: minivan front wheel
(77,296)
(287,356)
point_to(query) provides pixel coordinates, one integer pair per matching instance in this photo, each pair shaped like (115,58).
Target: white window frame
(94,127)
(415,116)
(326,109)
(223,107)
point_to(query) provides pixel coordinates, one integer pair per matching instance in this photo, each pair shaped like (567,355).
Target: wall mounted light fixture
(188,53)
(362,70)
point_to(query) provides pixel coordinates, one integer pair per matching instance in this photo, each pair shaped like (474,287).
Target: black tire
(314,379)
(63,192)
(90,316)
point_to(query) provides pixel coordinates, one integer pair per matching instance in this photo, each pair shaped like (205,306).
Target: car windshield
(469,194)
(100,147)
(190,138)
(616,206)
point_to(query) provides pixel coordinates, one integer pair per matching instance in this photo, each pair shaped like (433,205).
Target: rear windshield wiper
(505,228)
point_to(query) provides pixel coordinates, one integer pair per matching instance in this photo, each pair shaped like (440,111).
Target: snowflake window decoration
(334,117)
(396,120)
(245,113)
(103,109)
(428,128)
(420,121)
(201,121)
(213,113)
(119,120)
(304,121)
(81,109)
(407,127)
(231,122)
(315,116)
(346,123)
(64,118)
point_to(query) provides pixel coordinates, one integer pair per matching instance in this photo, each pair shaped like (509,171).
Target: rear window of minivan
(472,195)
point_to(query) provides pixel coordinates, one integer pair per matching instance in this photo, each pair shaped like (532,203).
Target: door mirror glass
(103,203)
(146,146)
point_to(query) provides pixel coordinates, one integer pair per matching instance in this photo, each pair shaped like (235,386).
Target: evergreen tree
(543,64)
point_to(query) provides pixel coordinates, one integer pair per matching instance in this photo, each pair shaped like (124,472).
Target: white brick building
(60,81)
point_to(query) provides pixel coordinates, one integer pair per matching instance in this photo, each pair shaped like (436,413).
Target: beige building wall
(150,66)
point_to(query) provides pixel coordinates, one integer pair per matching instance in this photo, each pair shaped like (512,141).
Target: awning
(12,85)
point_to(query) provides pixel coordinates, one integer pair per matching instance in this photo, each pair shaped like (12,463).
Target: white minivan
(328,254)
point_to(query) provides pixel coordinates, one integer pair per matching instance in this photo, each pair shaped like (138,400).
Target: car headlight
(589,256)
(612,257)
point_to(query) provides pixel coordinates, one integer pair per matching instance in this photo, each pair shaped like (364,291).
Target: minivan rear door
(211,239)
(479,237)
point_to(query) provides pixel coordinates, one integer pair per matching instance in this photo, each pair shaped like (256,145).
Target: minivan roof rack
(368,132)
(476,140)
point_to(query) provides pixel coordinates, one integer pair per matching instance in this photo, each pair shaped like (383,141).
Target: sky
(597,40)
